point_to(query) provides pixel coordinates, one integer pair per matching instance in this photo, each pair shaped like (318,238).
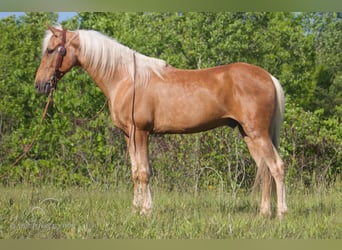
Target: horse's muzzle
(43,88)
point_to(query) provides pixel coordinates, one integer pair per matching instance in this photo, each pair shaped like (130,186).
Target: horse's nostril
(47,88)
(42,88)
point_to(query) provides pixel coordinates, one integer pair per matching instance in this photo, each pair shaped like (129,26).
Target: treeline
(303,50)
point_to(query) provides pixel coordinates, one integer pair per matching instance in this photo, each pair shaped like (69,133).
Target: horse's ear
(53,30)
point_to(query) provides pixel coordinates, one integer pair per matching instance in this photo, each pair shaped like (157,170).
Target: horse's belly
(189,120)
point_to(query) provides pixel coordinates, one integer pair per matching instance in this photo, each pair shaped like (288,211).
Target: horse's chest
(119,115)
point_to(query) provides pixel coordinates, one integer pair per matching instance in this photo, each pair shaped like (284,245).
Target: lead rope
(29,146)
(79,119)
(133,128)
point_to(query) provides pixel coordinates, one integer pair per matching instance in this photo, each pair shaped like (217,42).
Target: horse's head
(58,57)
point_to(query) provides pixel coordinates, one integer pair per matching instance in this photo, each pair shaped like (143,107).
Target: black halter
(61,50)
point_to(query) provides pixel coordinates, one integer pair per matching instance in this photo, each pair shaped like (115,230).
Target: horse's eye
(49,51)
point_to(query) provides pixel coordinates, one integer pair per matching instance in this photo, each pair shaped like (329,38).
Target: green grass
(48,212)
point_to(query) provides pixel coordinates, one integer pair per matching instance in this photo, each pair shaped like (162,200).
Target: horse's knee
(144,176)
(135,175)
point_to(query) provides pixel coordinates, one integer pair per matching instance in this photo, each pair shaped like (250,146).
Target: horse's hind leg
(266,179)
(269,165)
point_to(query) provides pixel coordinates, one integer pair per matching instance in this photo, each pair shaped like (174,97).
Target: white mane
(105,54)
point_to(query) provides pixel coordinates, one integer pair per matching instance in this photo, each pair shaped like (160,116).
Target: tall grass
(98,212)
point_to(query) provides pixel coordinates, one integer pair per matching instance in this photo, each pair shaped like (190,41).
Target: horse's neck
(108,84)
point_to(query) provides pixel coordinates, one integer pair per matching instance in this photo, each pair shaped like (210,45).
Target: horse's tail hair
(263,173)
(278,114)
(263,176)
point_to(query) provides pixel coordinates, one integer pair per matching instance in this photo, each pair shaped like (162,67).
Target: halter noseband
(61,50)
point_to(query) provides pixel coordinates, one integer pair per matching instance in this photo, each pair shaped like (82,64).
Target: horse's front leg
(138,150)
(135,177)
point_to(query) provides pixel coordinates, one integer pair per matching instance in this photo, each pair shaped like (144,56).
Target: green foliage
(311,146)
(302,50)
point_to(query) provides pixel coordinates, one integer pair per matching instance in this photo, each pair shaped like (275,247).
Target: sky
(62,16)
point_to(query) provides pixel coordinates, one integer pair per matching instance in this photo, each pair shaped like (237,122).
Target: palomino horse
(146,96)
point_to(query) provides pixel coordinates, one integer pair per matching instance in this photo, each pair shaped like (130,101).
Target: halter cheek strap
(61,50)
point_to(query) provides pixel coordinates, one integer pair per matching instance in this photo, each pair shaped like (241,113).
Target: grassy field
(50,213)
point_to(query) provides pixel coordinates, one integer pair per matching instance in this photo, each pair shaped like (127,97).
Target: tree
(326,30)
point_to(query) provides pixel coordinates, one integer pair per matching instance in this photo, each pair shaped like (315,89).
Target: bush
(311,146)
